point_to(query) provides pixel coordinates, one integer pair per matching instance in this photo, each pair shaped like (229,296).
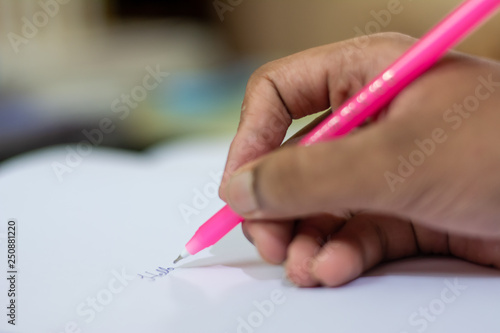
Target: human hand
(423,179)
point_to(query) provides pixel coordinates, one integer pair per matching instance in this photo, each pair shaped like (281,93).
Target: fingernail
(240,193)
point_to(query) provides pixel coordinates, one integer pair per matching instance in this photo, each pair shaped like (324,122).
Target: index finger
(296,86)
(277,93)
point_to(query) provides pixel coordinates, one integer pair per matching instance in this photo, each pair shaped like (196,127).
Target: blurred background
(130,74)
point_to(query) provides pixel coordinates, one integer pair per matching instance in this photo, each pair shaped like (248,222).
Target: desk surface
(84,242)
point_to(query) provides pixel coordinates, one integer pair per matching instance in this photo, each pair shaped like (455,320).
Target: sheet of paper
(94,247)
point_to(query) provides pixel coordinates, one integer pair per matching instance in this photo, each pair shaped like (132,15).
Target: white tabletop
(84,238)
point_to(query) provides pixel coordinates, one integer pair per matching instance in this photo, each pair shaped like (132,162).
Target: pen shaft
(214,229)
(413,63)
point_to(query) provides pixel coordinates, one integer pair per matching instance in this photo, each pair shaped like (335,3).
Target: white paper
(82,241)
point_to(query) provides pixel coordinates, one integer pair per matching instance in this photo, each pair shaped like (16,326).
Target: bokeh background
(65,64)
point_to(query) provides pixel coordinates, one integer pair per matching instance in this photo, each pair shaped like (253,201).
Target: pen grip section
(214,229)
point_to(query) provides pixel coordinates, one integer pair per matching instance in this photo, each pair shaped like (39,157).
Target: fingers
(271,238)
(296,86)
(331,251)
(362,242)
(278,92)
(311,234)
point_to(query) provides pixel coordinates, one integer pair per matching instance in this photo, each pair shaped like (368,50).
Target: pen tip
(179,258)
(184,254)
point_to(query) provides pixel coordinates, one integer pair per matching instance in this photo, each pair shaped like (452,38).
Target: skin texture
(328,212)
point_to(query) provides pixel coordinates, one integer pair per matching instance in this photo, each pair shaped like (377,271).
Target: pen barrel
(413,63)
(213,230)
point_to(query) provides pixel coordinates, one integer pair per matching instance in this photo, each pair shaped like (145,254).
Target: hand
(423,179)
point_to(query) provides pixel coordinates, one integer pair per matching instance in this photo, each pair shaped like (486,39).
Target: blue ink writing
(159,272)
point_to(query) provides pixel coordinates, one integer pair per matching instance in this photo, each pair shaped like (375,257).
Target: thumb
(332,177)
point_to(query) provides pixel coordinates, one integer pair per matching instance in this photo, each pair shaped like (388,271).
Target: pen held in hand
(368,101)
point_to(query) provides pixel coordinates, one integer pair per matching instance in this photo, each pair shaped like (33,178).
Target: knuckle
(264,72)
(393,38)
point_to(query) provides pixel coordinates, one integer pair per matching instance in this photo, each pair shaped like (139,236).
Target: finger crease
(255,187)
(415,238)
(381,238)
(447,244)
(283,102)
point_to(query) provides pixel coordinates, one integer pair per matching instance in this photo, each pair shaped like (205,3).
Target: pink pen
(378,93)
